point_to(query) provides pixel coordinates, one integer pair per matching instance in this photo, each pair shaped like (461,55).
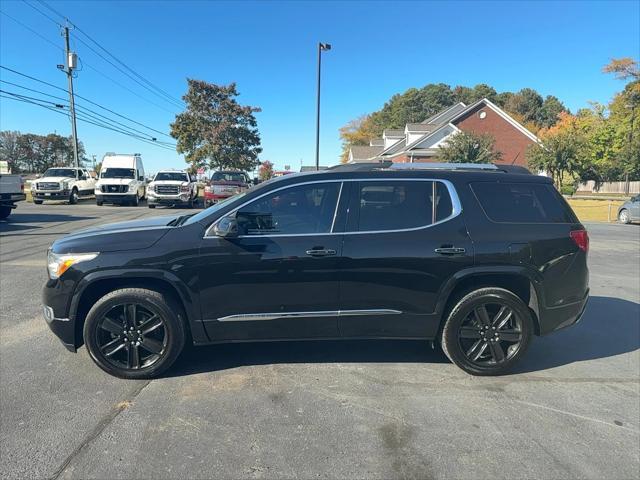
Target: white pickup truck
(11,191)
(63,183)
(172,187)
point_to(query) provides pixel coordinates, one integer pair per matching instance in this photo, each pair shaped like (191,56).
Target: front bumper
(115,197)
(557,318)
(59,195)
(168,200)
(63,328)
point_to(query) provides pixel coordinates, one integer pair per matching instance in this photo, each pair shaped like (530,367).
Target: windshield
(60,172)
(212,209)
(118,173)
(174,176)
(229,177)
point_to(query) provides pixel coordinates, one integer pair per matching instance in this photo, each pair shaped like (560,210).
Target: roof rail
(361,166)
(443,166)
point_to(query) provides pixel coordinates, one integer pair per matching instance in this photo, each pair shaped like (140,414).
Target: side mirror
(227,227)
(83,177)
(141,178)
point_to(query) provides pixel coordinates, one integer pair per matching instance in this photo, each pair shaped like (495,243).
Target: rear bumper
(556,318)
(9,199)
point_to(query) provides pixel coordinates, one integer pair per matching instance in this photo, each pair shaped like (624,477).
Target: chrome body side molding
(250,317)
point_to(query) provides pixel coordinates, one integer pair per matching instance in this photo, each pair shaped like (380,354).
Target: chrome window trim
(250,317)
(456,207)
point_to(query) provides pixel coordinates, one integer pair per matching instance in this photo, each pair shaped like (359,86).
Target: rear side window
(398,205)
(522,203)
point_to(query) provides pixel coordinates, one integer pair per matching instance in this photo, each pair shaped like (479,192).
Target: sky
(269,49)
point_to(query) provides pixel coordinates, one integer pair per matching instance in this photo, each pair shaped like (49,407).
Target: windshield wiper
(176,222)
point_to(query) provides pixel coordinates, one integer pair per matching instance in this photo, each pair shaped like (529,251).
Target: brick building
(419,142)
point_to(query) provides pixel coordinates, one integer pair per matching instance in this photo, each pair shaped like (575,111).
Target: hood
(131,235)
(55,179)
(115,181)
(169,182)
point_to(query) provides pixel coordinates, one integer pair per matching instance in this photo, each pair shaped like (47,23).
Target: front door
(278,278)
(404,239)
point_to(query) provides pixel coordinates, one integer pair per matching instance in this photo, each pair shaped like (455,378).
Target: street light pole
(321,47)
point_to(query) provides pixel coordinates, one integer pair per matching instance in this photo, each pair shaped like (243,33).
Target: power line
(87,100)
(149,85)
(44,14)
(124,72)
(56,108)
(31,30)
(85,111)
(82,61)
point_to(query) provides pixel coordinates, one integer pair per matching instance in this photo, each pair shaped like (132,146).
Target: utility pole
(70,66)
(321,47)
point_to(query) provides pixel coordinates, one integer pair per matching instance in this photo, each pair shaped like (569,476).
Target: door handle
(320,252)
(450,250)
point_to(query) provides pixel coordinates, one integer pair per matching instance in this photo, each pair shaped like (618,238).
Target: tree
(624,68)
(561,151)
(31,153)
(468,147)
(527,103)
(549,111)
(266,170)
(215,131)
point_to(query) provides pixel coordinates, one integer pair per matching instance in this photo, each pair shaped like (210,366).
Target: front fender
(188,298)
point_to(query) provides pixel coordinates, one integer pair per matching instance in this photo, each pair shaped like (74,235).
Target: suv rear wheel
(487,331)
(134,333)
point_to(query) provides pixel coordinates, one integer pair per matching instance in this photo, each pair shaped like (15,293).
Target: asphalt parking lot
(369,409)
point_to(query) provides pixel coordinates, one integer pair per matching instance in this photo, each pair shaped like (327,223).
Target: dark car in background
(629,211)
(476,258)
(225,184)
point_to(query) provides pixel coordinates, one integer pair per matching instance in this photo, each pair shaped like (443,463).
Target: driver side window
(291,211)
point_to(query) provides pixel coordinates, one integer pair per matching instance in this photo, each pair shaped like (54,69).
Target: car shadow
(609,327)
(225,356)
(26,221)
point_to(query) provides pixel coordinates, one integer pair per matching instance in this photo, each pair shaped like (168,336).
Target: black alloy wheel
(131,336)
(487,331)
(135,332)
(491,334)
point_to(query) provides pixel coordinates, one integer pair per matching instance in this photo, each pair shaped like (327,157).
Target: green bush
(567,189)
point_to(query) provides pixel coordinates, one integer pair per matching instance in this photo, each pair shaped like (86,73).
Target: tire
(624,217)
(151,206)
(473,328)
(115,352)
(190,203)
(73,196)
(4,212)
(38,202)
(136,200)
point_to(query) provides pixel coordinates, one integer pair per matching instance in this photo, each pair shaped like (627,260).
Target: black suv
(475,257)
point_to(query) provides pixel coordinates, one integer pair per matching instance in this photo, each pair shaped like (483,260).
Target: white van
(121,179)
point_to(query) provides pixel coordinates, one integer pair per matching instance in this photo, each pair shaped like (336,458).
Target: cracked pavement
(338,409)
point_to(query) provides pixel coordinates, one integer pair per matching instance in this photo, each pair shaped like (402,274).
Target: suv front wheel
(134,333)
(487,331)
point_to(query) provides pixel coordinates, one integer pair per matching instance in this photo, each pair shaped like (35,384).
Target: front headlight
(57,264)
(133,187)
(65,185)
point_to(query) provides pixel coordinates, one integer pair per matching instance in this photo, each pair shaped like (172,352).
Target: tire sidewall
(459,313)
(156,302)
(73,196)
(623,217)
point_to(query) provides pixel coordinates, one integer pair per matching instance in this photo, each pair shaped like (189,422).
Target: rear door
(403,240)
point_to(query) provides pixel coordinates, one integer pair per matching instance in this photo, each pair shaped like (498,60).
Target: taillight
(581,239)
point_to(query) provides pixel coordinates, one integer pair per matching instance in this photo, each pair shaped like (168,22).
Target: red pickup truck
(225,184)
